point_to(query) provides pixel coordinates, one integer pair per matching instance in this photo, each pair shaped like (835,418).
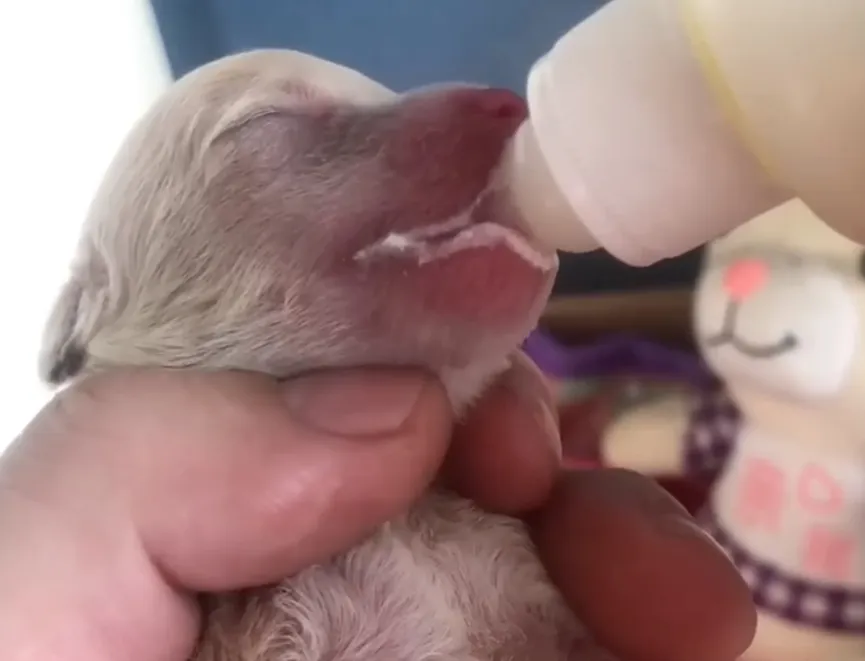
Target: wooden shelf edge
(662,315)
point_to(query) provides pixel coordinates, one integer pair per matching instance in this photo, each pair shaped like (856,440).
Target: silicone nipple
(546,210)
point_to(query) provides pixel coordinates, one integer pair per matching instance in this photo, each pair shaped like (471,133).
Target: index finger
(506,455)
(636,569)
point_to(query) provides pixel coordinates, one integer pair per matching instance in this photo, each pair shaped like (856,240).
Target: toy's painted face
(781,315)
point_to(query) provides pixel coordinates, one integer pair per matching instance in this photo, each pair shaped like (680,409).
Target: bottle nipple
(547,213)
(626,146)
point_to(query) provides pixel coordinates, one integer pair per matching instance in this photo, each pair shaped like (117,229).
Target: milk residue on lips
(394,242)
(420,243)
(417,241)
(441,240)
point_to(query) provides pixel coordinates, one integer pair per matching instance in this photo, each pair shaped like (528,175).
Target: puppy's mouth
(728,337)
(479,227)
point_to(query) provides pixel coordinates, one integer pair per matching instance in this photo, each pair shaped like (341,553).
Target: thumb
(288,475)
(234,480)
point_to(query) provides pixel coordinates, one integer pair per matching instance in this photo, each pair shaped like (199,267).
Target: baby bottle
(657,125)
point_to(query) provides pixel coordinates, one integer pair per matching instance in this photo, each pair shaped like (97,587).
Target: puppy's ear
(63,353)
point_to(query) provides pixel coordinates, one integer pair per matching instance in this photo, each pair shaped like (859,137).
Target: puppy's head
(275,212)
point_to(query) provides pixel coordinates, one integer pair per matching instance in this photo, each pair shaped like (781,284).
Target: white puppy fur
(230,233)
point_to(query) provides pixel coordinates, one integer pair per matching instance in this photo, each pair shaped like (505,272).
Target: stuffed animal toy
(779,315)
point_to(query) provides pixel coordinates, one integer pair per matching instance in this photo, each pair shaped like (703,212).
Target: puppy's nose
(446,140)
(490,104)
(468,109)
(744,278)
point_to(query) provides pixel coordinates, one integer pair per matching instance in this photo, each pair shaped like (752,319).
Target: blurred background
(76,74)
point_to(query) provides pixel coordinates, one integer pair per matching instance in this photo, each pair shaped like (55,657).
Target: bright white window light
(75,75)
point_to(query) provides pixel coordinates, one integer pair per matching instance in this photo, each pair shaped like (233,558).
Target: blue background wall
(406,43)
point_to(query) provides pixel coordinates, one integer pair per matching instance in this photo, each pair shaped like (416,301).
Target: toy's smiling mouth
(727,336)
(787,343)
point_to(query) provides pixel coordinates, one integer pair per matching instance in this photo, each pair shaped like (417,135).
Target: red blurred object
(692,496)
(582,423)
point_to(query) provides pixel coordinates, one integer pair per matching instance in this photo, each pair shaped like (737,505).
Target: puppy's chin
(478,267)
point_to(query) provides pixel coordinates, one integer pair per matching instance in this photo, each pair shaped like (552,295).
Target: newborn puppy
(278,213)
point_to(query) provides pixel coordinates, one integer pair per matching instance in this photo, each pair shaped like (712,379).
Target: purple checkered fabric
(821,606)
(712,431)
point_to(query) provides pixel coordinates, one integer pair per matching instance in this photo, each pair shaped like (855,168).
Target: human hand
(131,492)
(631,562)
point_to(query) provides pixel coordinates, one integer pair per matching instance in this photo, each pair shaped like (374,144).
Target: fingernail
(581,465)
(686,528)
(362,403)
(549,422)
(534,391)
